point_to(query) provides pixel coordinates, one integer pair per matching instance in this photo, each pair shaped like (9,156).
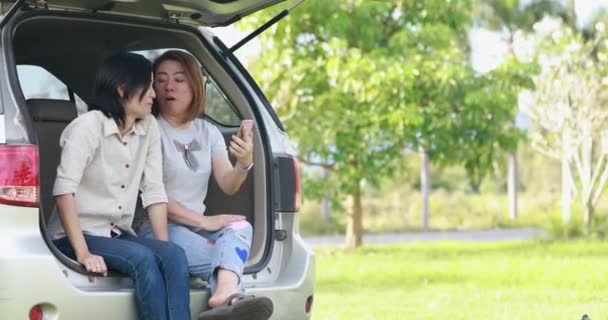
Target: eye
(180,79)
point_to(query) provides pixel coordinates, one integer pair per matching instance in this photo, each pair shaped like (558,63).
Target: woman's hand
(215,223)
(241,147)
(93,263)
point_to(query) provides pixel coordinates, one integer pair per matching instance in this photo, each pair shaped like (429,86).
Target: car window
(37,83)
(217,107)
(5,6)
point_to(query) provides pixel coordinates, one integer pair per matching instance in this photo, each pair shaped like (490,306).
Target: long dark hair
(129,71)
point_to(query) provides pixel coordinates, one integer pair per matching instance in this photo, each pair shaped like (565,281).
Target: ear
(121,92)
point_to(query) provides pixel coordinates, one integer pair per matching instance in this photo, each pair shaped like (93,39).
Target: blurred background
(436,116)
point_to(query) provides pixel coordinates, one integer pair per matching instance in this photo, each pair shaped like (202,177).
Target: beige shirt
(105,172)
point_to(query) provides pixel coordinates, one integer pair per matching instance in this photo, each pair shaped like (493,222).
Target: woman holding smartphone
(108,155)
(216,247)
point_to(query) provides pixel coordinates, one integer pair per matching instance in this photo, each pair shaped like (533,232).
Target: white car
(63,42)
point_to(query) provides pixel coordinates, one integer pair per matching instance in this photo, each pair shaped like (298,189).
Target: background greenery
(397,131)
(513,280)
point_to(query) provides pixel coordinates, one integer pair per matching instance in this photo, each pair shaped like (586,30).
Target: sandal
(240,307)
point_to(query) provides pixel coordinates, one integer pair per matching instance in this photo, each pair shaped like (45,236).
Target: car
(49,51)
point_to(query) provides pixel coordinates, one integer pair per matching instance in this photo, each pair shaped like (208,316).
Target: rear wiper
(265,26)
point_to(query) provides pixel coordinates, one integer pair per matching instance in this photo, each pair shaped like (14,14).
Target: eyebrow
(175,73)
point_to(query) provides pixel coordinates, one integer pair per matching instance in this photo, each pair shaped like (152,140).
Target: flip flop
(240,307)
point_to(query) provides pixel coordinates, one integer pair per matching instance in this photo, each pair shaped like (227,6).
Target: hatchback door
(194,12)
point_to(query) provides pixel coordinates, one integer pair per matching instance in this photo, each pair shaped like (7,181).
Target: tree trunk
(571,11)
(325,208)
(425,186)
(566,186)
(588,217)
(513,175)
(512,185)
(354,226)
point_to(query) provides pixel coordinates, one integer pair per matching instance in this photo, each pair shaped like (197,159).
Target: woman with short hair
(108,155)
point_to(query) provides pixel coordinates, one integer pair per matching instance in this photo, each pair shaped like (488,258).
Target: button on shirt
(105,172)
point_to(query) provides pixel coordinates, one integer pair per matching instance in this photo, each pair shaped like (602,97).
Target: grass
(507,280)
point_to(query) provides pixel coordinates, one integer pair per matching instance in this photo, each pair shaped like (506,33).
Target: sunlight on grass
(514,280)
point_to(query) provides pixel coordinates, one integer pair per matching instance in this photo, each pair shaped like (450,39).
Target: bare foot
(219,298)
(227,285)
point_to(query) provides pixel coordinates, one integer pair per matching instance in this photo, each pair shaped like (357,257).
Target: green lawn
(514,280)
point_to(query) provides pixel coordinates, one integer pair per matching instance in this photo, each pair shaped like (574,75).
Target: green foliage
(356,82)
(359,72)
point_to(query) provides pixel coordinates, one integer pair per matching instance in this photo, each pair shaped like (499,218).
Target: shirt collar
(110,127)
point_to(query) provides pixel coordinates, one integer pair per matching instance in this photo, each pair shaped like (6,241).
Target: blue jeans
(158,269)
(206,251)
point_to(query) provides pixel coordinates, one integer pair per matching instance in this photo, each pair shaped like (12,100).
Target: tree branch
(600,186)
(596,172)
(326,166)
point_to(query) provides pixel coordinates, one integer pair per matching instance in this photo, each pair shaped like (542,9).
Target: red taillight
(36,313)
(296,186)
(19,175)
(308,305)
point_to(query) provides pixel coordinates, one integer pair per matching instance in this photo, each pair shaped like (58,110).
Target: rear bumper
(293,287)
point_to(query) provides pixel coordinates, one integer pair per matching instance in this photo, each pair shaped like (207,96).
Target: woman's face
(174,91)
(140,108)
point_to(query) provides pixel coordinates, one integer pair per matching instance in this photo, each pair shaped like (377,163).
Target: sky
(488,49)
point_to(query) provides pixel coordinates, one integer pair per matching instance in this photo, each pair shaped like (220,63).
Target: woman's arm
(184,216)
(66,209)
(158,220)
(78,142)
(153,195)
(230,178)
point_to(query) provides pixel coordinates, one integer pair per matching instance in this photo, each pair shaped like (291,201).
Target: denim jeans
(206,251)
(158,269)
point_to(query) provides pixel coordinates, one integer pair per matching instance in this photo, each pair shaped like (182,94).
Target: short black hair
(127,70)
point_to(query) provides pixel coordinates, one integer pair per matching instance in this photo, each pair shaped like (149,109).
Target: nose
(152,93)
(170,86)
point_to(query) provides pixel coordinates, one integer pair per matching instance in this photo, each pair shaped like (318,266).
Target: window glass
(37,83)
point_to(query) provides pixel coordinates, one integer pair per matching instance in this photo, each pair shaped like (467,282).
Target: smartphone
(246,127)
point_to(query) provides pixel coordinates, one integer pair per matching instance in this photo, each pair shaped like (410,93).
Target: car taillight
(296,185)
(36,313)
(308,305)
(19,175)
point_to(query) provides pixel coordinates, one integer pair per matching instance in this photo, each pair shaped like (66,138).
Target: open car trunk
(74,45)
(192,12)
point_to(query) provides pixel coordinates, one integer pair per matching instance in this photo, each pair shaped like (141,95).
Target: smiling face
(173,88)
(139,106)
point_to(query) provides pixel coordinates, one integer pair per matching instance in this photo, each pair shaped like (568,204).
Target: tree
(368,79)
(570,114)
(510,17)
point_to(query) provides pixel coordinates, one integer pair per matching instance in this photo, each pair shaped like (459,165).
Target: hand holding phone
(246,129)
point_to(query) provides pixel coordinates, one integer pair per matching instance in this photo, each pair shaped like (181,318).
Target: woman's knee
(144,259)
(242,229)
